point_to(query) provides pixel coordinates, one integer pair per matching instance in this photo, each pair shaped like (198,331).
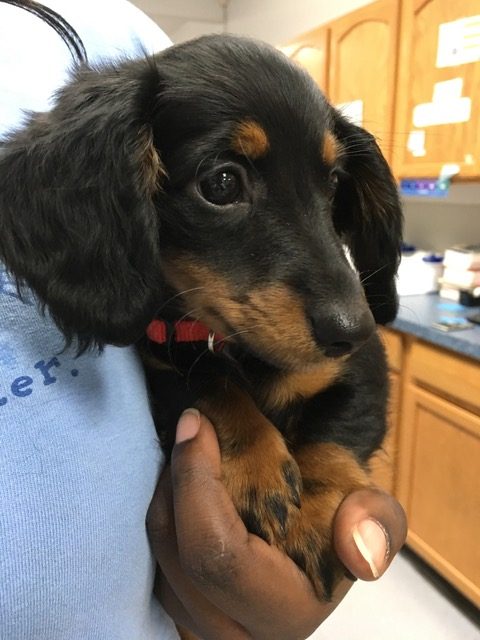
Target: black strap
(68,34)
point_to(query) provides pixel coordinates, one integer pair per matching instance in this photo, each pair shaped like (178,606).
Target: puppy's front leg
(330,473)
(259,472)
(288,500)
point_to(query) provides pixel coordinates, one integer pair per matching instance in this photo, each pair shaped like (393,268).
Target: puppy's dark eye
(221,188)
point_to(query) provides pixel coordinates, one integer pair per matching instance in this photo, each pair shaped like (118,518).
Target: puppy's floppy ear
(78,223)
(368,216)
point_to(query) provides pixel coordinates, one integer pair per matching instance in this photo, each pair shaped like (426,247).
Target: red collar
(162,332)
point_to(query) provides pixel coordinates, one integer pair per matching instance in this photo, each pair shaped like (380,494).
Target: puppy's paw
(265,485)
(258,470)
(330,473)
(309,542)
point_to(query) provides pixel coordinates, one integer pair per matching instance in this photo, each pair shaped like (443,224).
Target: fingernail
(372,541)
(188,425)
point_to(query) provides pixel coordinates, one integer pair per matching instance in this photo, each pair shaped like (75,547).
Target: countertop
(417,313)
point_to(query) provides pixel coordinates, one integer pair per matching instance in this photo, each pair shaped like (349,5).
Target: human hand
(220,581)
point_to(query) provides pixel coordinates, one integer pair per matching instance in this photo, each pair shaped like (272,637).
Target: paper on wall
(447,106)
(458,42)
(447,90)
(416,143)
(449,170)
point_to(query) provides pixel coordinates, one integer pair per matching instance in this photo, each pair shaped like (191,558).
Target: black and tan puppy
(213,188)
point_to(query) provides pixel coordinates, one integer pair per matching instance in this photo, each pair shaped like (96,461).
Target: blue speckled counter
(417,313)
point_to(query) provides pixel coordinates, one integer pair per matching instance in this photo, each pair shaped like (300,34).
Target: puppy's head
(215,181)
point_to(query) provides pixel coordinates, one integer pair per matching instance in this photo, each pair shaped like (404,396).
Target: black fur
(100,194)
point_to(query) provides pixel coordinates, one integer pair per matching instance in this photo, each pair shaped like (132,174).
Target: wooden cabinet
(438,101)
(409,72)
(431,460)
(441,492)
(363,65)
(311,51)
(446,373)
(439,462)
(354,61)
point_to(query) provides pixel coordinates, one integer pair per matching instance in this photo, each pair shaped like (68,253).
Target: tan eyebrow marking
(249,139)
(331,148)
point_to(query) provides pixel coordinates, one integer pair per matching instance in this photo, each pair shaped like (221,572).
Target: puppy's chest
(181,375)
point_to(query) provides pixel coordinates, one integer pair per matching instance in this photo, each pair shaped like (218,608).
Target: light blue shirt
(79,456)
(34,61)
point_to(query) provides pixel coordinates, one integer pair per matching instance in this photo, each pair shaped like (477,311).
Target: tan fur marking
(152,171)
(250,140)
(334,473)
(237,419)
(331,148)
(301,384)
(332,465)
(255,457)
(255,460)
(272,319)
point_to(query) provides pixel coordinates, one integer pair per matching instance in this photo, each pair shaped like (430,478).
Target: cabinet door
(311,52)
(363,61)
(440,462)
(438,106)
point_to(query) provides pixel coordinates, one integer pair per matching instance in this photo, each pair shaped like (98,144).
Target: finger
(239,573)
(172,604)
(370,528)
(175,590)
(205,622)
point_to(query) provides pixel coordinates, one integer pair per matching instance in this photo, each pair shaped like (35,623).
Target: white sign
(459,42)
(447,106)
(416,143)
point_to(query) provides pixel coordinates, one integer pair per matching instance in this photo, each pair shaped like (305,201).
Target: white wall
(275,21)
(194,29)
(278,21)
(436,225)
(184,19)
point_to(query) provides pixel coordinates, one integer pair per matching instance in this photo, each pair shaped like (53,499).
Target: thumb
(199,495)
(196,445)
(195,459)
(370,527)
(188,425)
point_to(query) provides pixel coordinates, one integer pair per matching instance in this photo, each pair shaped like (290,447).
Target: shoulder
(107,27)
(112,27)
(37,61)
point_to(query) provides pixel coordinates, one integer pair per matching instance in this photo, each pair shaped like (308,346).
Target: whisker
(215,157)
(237,333)
(204,159)
(171,339)
(195,362)
(370,275)
(178,295)
(207,350)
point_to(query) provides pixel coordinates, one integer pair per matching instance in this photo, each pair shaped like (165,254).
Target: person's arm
(222,582)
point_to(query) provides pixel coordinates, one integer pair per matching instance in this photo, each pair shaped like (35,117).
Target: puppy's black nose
(342,332)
